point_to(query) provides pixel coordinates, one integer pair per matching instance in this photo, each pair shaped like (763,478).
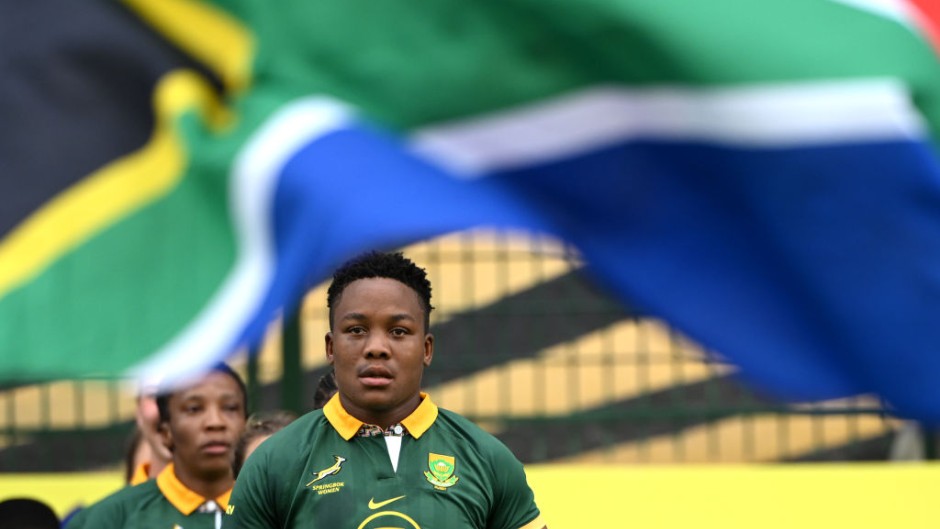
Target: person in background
(151,456)
(200,424)
(145,456)
(260,426)
(326,388)
(136,453)
(27,513)
(381,453)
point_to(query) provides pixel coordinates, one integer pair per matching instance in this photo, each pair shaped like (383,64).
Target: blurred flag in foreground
(762,175)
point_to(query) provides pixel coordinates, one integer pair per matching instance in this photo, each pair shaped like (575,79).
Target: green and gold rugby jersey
(161,503)
(317,473)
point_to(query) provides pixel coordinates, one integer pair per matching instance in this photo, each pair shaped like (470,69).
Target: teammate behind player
(201,425)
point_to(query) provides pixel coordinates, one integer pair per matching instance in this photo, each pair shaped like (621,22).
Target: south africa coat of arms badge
(441,471)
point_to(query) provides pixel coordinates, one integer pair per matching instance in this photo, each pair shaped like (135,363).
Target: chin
(215,470)
(375,402)
(378,404)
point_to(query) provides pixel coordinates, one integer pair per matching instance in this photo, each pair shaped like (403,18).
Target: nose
(377,346)
(215,419)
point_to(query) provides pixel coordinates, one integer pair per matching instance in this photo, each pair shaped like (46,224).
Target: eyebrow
(358,316)
(203,396)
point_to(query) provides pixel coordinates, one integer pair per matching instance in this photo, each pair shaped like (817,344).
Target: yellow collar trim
(185,500)
(141,474)
(422,418)
(346,425)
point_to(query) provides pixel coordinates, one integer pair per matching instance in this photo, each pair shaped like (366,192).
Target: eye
(357,329)
(399,331)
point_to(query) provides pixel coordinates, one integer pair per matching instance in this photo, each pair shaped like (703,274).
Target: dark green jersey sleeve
(254,501)
(513,499)
(113,511)
(109,515)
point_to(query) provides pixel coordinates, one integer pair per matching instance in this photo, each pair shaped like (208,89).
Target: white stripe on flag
(207,339)
(897,10)
(753,116)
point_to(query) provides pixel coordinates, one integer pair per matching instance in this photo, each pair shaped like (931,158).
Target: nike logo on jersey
(373,505)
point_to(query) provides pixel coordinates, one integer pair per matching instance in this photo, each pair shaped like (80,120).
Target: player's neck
(208,486)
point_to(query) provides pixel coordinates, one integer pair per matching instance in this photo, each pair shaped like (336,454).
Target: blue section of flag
(815,270)
(358,189)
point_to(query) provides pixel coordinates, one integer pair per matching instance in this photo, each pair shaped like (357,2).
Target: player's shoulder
(279,460)
(134,494)
(462,425)
(295,439)
(118,506)
(301,426)
(448,417)
(462,429)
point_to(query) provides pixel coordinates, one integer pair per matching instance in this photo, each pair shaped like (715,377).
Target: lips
(375,376)
(216,447)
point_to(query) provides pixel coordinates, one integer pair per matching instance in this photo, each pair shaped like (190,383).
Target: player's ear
(329,347)
(166,436)
(428,349)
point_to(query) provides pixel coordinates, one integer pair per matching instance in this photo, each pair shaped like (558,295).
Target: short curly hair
(384,265)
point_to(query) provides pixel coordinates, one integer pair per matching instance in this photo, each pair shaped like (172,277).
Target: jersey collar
(141,474)
(346,425)
(185,500)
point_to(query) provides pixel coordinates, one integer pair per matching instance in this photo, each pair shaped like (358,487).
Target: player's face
(206,421)
(379,348)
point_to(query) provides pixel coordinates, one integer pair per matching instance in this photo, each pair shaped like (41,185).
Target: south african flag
(763,175)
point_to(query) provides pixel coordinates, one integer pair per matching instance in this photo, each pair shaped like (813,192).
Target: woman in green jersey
(200,424)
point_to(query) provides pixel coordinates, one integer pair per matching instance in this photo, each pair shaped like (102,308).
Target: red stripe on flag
(927,15)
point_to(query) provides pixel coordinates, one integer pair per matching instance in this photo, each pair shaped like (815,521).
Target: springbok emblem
(328,471)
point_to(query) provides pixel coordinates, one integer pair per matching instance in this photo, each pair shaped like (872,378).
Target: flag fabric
(764,176)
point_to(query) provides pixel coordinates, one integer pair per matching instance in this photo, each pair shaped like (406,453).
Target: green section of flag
(409,63)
